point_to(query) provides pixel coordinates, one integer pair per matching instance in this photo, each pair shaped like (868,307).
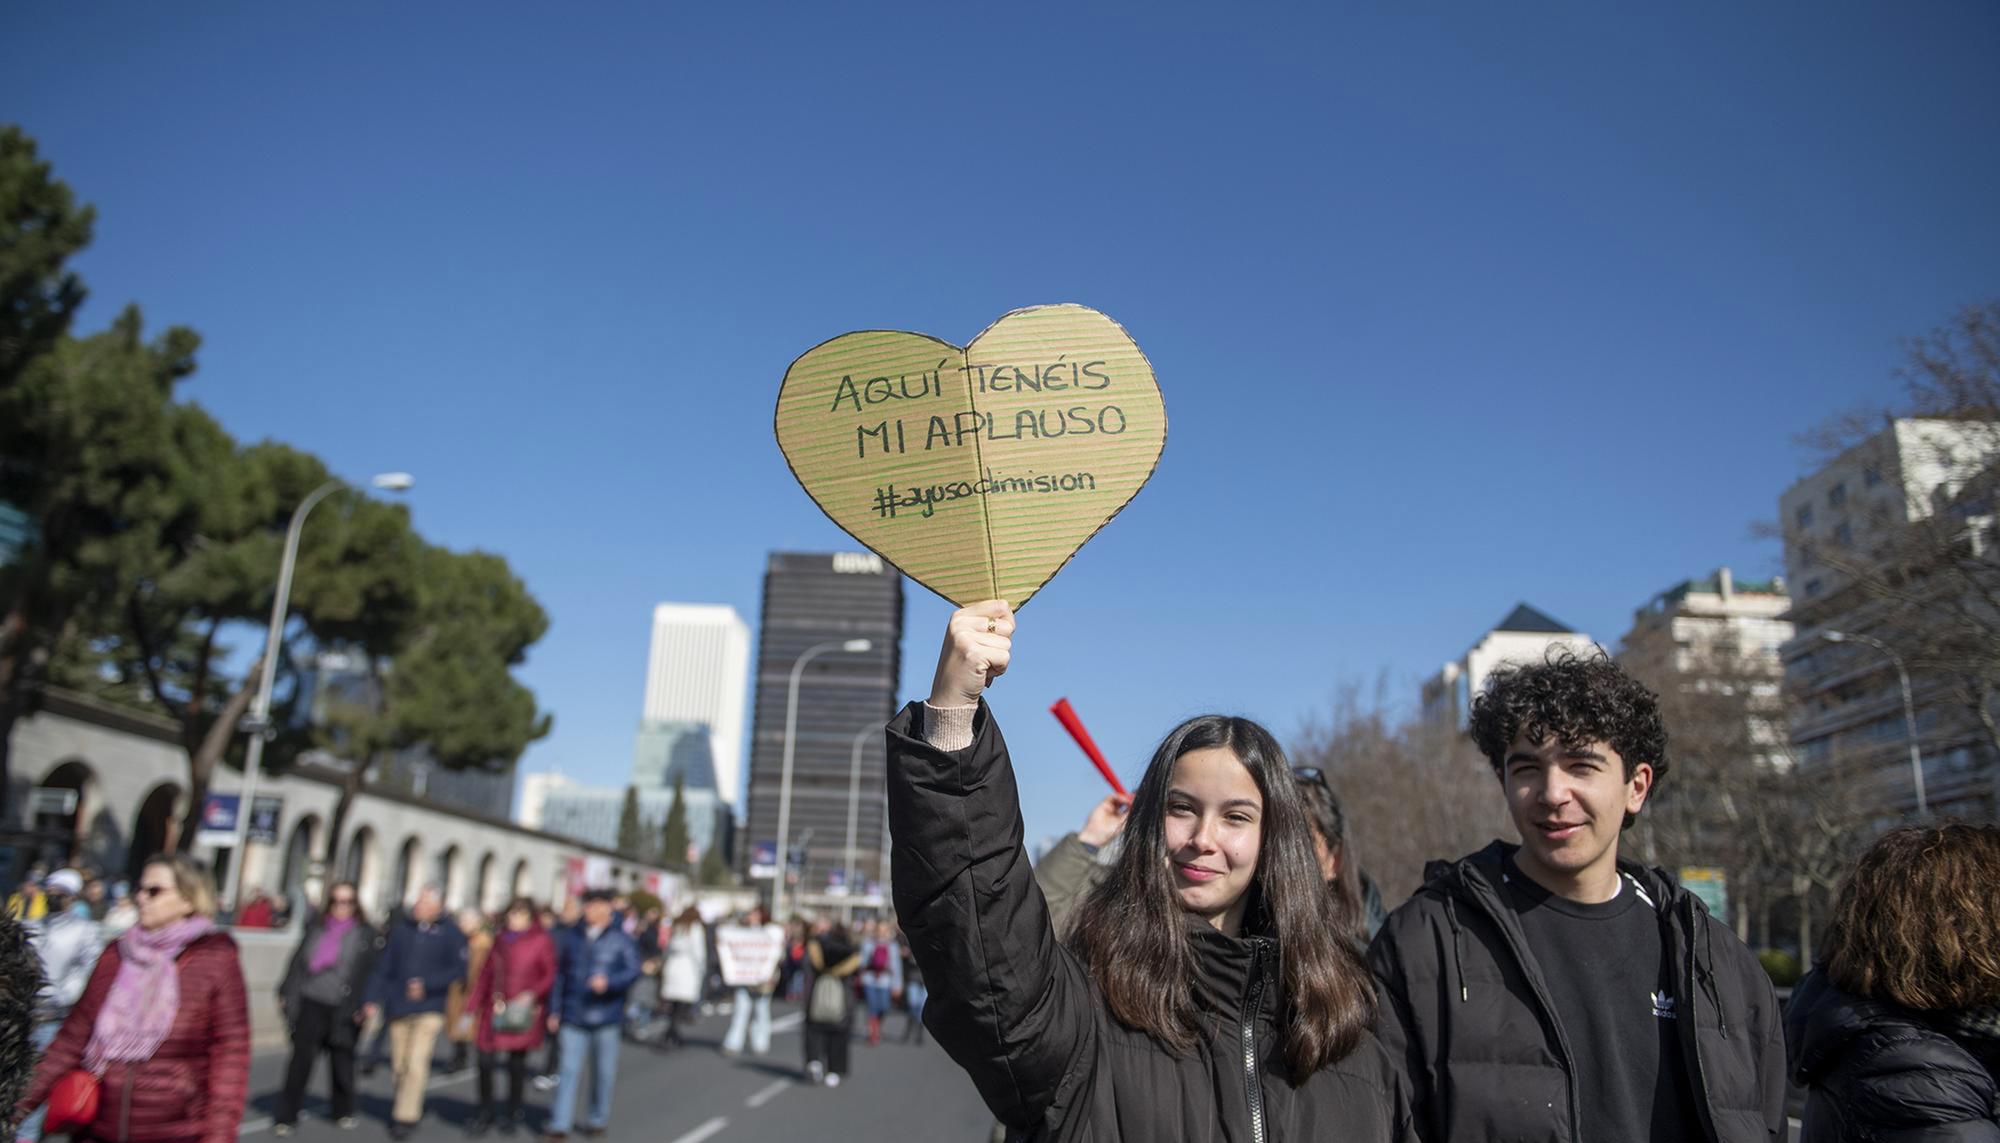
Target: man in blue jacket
(421,961)
(599,962)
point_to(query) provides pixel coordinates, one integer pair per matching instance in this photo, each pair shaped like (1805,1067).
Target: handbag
(517,1015)
(72,1102)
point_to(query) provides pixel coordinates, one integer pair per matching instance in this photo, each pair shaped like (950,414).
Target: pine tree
(631,834)
(714,868)
(674,835)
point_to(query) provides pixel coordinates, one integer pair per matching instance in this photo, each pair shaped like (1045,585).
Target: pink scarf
(146,997)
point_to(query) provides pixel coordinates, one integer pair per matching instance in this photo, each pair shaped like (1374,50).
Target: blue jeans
(740,1022)
(44,1034)
(601,1045)
(877,997)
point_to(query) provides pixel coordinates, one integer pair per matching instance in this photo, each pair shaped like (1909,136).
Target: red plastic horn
(1065,715)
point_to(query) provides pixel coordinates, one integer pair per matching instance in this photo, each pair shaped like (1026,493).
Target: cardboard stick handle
(1074,725)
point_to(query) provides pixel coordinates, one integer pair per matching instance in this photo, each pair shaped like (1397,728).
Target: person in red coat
(511,996)
(163,1024)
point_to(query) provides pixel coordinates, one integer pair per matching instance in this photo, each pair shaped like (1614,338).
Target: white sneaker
(545,1083)
(281,1129)
(347,1123)
(833,1079)
(815,1072)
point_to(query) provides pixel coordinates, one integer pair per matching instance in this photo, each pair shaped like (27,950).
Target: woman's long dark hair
(326,902)
(1131,930)
(1329,820)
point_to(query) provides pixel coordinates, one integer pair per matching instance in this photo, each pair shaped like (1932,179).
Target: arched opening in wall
(153,827)
(523,883)
(487,887)
(409,872)
(363,866)
(60,809)
(299,860)
(450,877)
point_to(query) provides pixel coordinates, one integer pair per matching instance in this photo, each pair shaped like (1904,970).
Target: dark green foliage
(153,533)
(631,834)
(674,834)
(41,226)
(715,868)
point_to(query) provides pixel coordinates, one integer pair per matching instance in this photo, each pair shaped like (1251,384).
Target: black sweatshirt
(1020,1015)
(1469,1012)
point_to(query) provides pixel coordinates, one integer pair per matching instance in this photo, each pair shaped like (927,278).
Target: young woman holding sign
(1205,993)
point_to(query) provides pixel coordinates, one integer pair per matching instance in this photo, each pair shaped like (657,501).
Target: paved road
(907,1093)
(898,1092)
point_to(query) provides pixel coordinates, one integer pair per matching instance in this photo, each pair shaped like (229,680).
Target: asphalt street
(908,1093)
(900,1092)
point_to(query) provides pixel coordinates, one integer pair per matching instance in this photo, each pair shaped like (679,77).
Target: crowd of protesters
(1207,954)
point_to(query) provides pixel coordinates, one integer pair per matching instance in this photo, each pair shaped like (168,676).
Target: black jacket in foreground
(1875,1070)
(1019,1012)
(1467,1011)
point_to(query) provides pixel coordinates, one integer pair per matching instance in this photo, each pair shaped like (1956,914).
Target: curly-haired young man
(1552,991)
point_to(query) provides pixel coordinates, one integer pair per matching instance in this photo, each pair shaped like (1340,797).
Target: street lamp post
(258,722)
(851,646)
(1909,709)
(861,738)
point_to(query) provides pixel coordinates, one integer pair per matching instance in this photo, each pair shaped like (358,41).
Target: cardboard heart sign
(978,471)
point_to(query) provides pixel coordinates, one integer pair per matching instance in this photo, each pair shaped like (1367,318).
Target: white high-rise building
(698,671)
(1524,637)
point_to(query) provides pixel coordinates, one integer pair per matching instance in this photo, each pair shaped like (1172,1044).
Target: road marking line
(704,1131)
(447,1080)
(251,1126)
(766,1095)
(787,1023)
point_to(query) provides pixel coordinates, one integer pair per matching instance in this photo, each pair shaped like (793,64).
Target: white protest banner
(749,954)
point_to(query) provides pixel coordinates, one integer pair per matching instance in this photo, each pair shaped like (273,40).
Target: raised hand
(978,643)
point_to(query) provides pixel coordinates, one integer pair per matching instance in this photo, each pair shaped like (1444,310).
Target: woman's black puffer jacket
(1877,1071)
(1019,1013)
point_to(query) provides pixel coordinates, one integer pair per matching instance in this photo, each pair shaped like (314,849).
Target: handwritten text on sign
(980,471)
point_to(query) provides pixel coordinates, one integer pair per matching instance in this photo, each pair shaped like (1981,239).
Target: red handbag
(72,1102)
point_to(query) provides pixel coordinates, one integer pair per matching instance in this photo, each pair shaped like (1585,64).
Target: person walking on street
(598,963)
(1896,1031)
(684,967)
(321,996)
(460,1024)
(163,1026)
(413,974)
(914,994)
(881,975)
(509,999)
(559,924)
(68,944)
(643,1005)
(1553,990)
(760,961)
(834,961)
(30,902)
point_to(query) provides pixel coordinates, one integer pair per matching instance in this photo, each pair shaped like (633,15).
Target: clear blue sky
(1453,306)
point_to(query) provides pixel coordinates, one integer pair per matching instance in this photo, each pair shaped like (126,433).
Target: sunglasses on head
(1309,774)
